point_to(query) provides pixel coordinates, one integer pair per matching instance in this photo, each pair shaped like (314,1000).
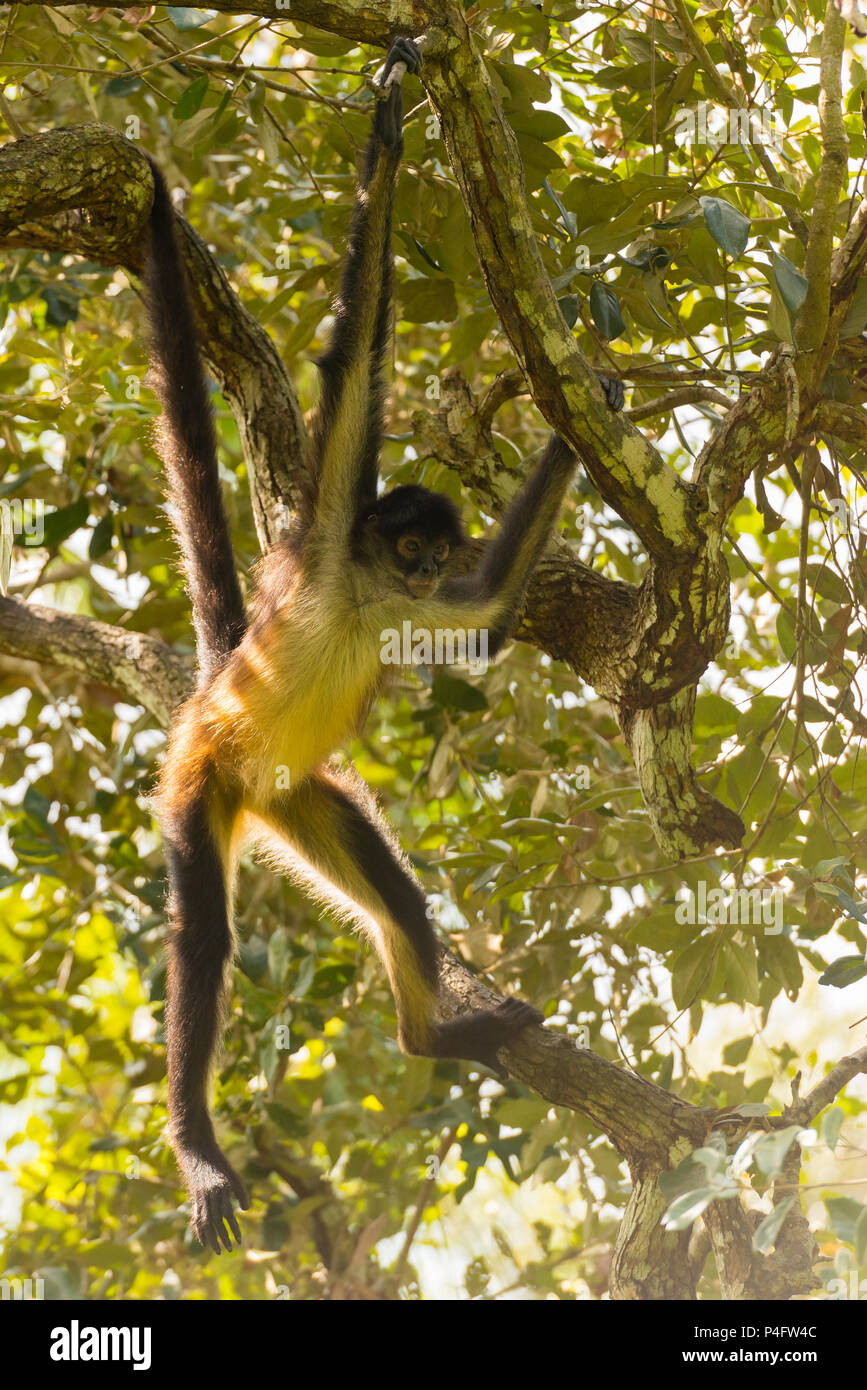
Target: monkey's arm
(188,444)
(348,428)
(492,595)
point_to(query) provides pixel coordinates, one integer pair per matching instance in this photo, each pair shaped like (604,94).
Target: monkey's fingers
(403,51)
(201,1227)
(613,389)
(212,1212)
(239,1190)
(227,1216)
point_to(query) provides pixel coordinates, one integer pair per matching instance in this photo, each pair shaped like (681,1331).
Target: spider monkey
(287,688)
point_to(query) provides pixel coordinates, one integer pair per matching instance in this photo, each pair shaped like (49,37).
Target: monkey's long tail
(188,444)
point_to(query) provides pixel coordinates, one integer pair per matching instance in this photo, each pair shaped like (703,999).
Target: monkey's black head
(414,533)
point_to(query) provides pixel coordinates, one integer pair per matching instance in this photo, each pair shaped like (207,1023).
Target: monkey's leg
(197,826)
(335,830)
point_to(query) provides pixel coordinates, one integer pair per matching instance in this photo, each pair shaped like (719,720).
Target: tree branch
(142,669)
(813,320)
(629,473)
(87,190)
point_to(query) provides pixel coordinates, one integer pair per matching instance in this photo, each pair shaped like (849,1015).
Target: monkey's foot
(613,389)
(404,51)
(475,1037)
(212,1183)
(389,115)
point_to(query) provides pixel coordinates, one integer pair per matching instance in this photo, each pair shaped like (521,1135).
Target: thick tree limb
(140,668)
(368,21)
(87,190)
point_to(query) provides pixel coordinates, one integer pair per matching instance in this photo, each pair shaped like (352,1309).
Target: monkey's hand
(613,389)
(212,1182)
(477,1036)
(388,123)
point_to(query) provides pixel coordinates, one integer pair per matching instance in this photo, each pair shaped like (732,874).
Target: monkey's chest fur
(298,686)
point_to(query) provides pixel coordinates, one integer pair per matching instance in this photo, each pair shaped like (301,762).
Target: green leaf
(827,584)
(544,125)
(779,958)
(790,282)
(856,910)
(524,84)
(844,1213)
(605,308)
(856,317)
(569,306)
(814,712)
(123,86)
(279,955)
(61,523)
(183,17)
(256,100)
(767,1231)
(100,540)
(640,76)
(844,971)
(537,158)
(832,1123)
(741,968)
(687,1208)
(728,227)
(758,716)
(304,978)
(453,693)
(771,1149)
(692,970)
(428,301)
(734,1053)
(715,716)
(253,957)
(190,101)
(62,305)
(653,258)
(786,635)
(331,980)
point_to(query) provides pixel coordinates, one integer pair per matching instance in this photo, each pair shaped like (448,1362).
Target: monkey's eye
(408,545)
(441,551)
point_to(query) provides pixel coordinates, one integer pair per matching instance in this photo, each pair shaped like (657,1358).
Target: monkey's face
(412,536)
(420,560)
